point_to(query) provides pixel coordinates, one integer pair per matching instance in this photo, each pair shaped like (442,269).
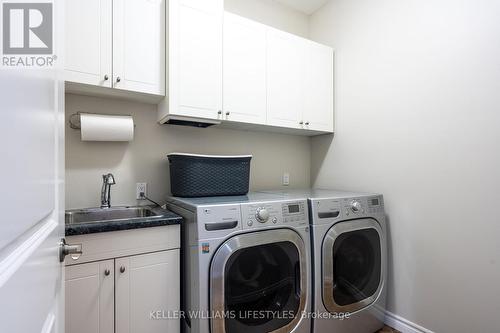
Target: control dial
(262,215)
(355,206)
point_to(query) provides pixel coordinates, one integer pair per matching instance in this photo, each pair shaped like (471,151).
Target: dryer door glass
(356,266)
(262,287)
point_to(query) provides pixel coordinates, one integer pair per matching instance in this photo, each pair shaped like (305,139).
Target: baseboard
(403,325)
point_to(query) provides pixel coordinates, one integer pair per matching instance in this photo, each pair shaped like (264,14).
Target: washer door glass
(261,287)
(352,265)
(258,282)
(356,266)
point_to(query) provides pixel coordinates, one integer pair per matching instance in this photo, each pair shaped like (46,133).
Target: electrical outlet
(286,178)
(141,191)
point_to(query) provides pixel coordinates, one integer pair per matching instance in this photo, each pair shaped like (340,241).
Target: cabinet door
(144,284)
(88,42)
(244,68)
(195,58)
(285,79)
(139,45)
(90,298)
(318,113)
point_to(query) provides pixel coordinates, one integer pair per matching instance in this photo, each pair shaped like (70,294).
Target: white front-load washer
(246,264)
(349,252)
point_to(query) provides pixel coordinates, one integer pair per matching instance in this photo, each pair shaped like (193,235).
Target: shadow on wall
(321,145)
(109,154)
(390,262)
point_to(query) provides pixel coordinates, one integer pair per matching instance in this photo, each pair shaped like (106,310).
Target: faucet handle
(109,179)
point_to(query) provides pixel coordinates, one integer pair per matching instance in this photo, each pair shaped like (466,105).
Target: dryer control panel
(363,205)
(255,215)
(335,209)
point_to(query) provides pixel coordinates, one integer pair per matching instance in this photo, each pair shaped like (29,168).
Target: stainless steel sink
(90,215)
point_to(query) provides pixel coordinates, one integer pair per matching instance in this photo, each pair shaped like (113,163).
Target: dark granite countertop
(161,217)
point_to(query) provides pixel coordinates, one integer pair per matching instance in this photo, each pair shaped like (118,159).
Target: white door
(88,31)
(285,79)
(195,58)
(90,291)
(144,284)
(318,113)
(32,171)
(139,46)
(244,70)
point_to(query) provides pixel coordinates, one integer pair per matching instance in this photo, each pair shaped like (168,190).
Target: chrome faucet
(107,181)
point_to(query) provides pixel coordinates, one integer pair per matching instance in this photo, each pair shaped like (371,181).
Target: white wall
(418,119)
(144,159)
(272,13)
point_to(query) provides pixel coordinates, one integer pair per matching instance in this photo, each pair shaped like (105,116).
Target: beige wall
(418,120)
(144,159)
(271,13)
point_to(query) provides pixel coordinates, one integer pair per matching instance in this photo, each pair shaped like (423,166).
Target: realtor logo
(27,35)
(27,28)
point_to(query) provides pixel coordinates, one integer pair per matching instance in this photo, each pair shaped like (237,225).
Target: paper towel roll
(97,127)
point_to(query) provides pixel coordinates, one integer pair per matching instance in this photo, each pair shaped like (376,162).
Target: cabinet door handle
(107,272)
(307,123)
(219,112)
(118,79)
(122,269)
(301,123)
(106,77)
(227,113)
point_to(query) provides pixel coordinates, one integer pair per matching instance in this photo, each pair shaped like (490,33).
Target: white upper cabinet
(139,45)
(88,42)
(318,112)
(116,44)
(203,65)
(244,70)
(300,83)
(285,79)
(195,60)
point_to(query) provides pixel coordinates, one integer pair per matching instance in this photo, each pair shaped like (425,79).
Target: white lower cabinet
(124,295)
(90,297)
(146,284)
(123,280)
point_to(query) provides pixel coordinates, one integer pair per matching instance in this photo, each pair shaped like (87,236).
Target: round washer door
(353,262)
(258,283)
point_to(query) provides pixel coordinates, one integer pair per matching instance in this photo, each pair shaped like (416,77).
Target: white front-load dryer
(349,260)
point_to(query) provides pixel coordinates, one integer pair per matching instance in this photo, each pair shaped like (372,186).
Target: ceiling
(306,6)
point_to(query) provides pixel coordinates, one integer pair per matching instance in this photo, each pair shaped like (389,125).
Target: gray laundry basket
(193,175)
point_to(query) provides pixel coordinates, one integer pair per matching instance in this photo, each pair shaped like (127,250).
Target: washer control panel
(255,215)
(294,211)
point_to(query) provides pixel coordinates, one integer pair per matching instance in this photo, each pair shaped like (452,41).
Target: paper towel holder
(76,124)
